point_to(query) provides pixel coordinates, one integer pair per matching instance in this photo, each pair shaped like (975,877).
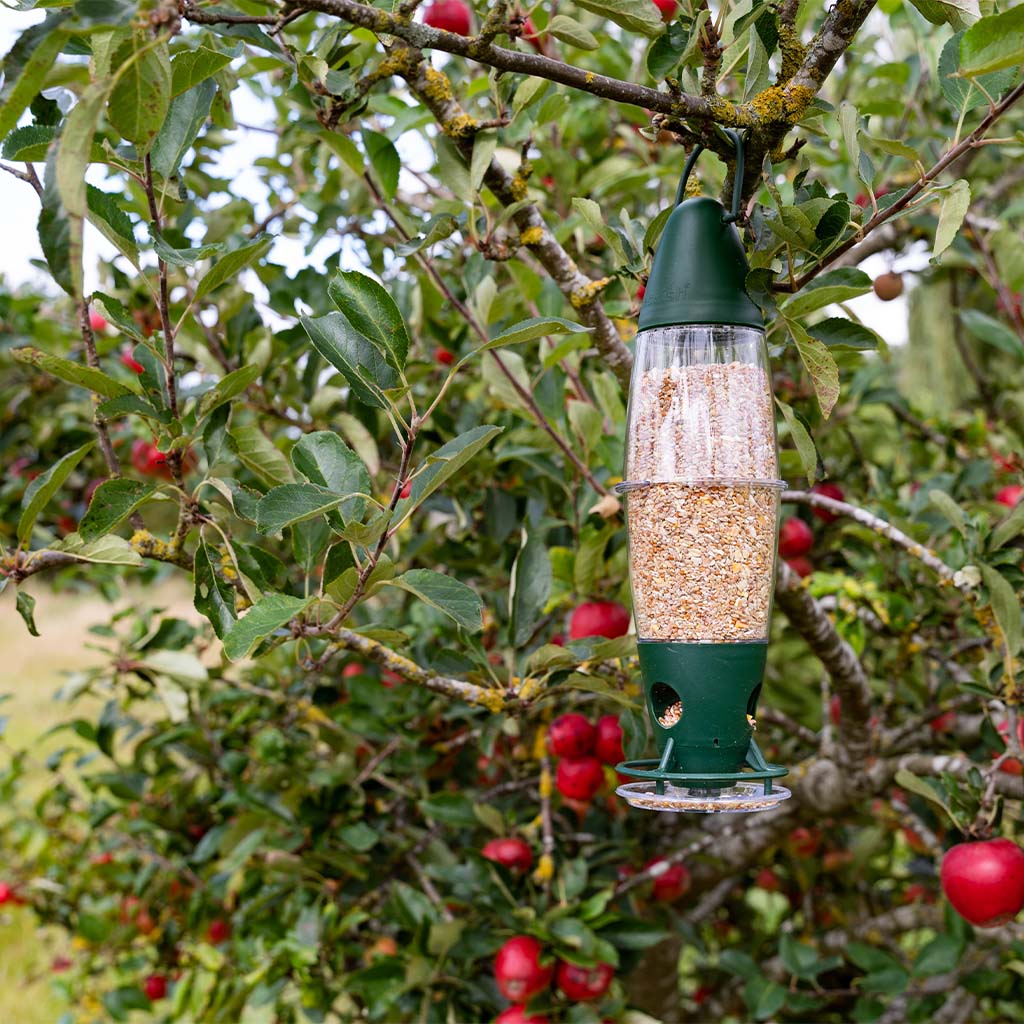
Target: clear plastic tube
(702,484)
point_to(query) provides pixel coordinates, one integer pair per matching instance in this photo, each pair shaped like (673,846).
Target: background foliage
(389,497)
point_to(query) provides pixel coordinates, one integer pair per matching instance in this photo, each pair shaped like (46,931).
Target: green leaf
(112,502)
(446,461)
(956,201)
(961,92)
(227,388)
(530,588)
(834,286)
(213,597)
(54,230)
(231,263)
(799,958)
(950,509)
(910,782)
(868,958)
(360,362)
(270,613)
(72,373)
(591,213)
(802,441)
(820,365)
(1005,606)
(940,956)
(958,13)
(991,331)
(260,455)
(372,312)
(993,43)
(838,332)
(113,222)
(26,606)
(360,837)
(109,550)
(114,311)
(140,97)
(770,1001)
(44,487)
(190,67)
(484,144)
(445,593)
(1009,528)
(185,119)
(849,124)
(530,90)
(384,160)
(30,81)
(324,459)
(29,143)
(633,15)
(435,230)
(293,503)
(572,32)
(534,327)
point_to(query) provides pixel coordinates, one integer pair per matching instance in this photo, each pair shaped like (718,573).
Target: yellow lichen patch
(546,786)
(585,296)
(532,236)
(793,52)
(491,700)
(545,869)
(152,547)
(539,743)
(437,88)
(461,126)
(590,77)
(518,186)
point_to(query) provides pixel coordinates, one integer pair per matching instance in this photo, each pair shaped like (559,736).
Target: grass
(32,669)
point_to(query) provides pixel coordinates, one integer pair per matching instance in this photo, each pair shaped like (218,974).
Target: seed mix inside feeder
(702,505)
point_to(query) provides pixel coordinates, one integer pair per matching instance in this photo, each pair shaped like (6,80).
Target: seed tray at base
(738,799)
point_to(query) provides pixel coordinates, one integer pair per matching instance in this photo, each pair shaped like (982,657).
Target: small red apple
(443,356)
(827,490)
(558,640)
(406,489)
(583,984)
(353,668)
(8,895)
(1010,495)
(571,736)
(511,853)
(1011,765)
(802,566)
(916,892)
(448,16)
(96,321)
(579,778)
(795,538)
(943,723)
(517,1015)
(609,740)
(60,964)
(984,881)
(518,970)
(599,618)
(155,987)
(767,879)
(129,361)
(532,36)
(144,922)
(641,292)
(671,882)
(219,931)
(804,841)
(668,8)
(835,708)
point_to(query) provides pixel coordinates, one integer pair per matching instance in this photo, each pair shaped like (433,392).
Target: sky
(20,212)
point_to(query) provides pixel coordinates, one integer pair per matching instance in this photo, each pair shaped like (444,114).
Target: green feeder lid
(700,269)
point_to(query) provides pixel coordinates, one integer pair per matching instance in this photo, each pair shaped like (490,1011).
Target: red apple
(583,984)
(609,740)
(518,970)
(1012,765)
(803,567)
(668,8)
(149,460)
(984,881)
(835,708)
(448,16)
(671,882)
(943,723)
(219,931)
(599,618)
(641,292)
(443,356)
(1010,495)
(579,778)
(531,36)
(916,892)
(353,668)
(517,1015)
(826,490)
(129,361)
(804,841)
(155,987)
(96,322)
(7,894)
(571,736)
(888,286)
(767,879)
(558,640)
(511,853)
(406,489)
(795,538)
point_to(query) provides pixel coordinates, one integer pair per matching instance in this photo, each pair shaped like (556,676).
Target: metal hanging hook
(737,182)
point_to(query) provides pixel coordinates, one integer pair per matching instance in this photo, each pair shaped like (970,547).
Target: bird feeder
(702,502)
